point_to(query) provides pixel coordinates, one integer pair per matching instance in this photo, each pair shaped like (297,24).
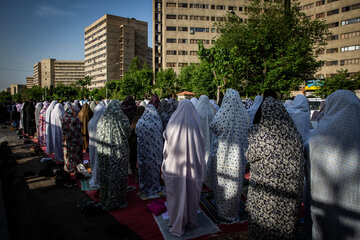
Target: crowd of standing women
(195,143)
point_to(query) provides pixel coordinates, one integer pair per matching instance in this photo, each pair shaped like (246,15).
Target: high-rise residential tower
(343,20)
(50,72)
(178,26)
(111,43)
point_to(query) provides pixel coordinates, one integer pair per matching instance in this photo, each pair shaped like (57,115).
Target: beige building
(343,20)
(16,88)
(179,25)
(50,72)
(110,44)
(29,82)
(37,74)
(68,72)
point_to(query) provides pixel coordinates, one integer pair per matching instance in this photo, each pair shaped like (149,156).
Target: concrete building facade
(50,72)
(343,20)
(29,82)
(111,43)
(16,88)
(68,72)
(178,26)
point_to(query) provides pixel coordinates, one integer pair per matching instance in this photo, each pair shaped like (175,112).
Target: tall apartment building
(111,43)
(29,82)
(37,74)
(178,25)
(50,72)
(343,20)
(68,72)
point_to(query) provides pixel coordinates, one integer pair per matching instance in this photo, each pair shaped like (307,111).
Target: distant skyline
(40,29)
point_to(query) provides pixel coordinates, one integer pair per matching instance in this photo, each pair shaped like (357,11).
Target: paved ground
(37,208)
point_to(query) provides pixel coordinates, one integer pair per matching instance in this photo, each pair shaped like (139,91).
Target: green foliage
(98,94)
(276,49)
(226,66)
(5,97)
(136,82)
(340,81)
(17,97)
(86,81)
(64,93)
(167,84)
(32,94)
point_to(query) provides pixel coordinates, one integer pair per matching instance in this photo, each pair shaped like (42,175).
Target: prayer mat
(206,227)
(208,204)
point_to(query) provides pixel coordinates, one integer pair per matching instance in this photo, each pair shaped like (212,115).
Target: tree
(83,83)
(279,45)
(340,81)
(35,93)
(167,83)
(5,97)
(225,65)
(65,93)
(17,97)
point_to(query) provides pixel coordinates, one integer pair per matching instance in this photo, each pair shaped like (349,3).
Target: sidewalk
(37,208)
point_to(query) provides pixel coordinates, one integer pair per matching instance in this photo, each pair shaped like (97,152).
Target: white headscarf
(183,166)
(253,109)
(206,113)
(216,107)
(56,131)
(49,142)
(300,114)
(226,166)
(335,168)
(194,101)
(98,112)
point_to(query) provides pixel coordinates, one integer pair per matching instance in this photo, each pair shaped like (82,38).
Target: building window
(220,19)
(170,28)
(171,40)
(182,64)
(332,50)
(330,1)
(349,61)
(320,15)
(182,52)
(212,18)
(170,4)
(213,30)
(203,6)
(182,29)
(232,8)
(352,7)
(183,17)
(193,53)
(182,40)
(333,37)
(307,6)
(170,16)
(171,52)
(333,12)
(350,48)
(170,64)
(220,7)
(332,25)
(182,5)
(350,21)
(240,9)
(350,35)
(331,63)
(321,2)
(212,6)
(197,29)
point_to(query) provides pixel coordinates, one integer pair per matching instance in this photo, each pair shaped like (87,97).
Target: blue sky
(32,30)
